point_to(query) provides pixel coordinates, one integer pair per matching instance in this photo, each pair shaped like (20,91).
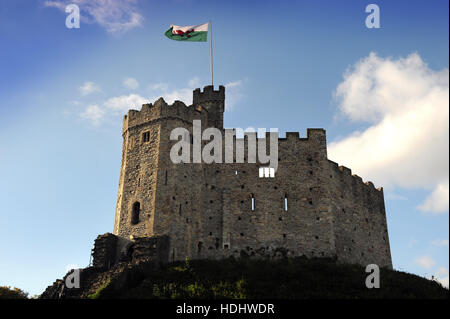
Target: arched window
(135,213)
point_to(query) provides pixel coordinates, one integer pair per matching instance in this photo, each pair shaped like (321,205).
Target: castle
(166,211)
(311,207)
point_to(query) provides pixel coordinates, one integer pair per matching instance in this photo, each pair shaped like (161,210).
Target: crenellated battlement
(160,110)
(311,134)
(290,146)
(208,105)
(208,95)
(347,172)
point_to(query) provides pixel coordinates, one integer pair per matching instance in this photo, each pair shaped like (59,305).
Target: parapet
(161,110)
(208,94)
(318,134)
(345,171)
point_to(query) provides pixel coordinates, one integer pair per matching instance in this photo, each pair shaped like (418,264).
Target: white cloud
(131,83)
(94,114)
(425,262)
(194,83)
(443,281)
(406,107)
(184,95)
(171,95)
(412,243)
(440,242)
(116,16)
(125,102)
(437,201)
(55,4)
(233,94)
(441,275)
(230,85)
(121,104)
(442,271)
(89,88)
(159,87)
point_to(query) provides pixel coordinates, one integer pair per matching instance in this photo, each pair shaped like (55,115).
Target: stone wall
(206,209)
(104,251)
(361,228)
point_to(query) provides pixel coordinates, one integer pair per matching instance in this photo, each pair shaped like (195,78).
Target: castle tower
(157,197)
(213,102)
(311,207)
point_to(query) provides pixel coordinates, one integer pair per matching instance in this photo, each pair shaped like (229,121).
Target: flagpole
(211,54)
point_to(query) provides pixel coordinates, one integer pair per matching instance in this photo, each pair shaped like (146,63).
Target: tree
(7,292)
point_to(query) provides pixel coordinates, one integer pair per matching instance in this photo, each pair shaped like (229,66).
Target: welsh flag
(198,33)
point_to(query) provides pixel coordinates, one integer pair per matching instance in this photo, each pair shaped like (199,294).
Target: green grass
(98,293)
(295,278)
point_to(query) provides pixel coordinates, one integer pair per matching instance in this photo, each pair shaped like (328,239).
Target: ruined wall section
(361,227)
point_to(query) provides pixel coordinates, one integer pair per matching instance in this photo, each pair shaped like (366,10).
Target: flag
(198,33)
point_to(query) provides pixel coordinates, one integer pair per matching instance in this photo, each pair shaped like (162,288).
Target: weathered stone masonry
(206,209)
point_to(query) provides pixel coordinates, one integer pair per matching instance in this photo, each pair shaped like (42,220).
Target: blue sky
(381,94)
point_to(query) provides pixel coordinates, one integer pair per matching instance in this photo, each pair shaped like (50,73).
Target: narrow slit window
(165,181)
(146,137)
(285,203)
(253,202)
(136,209)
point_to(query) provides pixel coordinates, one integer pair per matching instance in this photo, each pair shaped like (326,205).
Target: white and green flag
(198,33)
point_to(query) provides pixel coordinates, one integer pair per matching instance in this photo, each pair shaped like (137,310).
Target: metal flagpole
(211,53)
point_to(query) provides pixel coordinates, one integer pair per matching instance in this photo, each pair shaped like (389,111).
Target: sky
(381,94)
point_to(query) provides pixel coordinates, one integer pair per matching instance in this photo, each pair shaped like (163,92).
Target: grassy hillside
(287,278)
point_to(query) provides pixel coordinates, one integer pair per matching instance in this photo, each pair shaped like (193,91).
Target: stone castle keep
(312,206)
(166,212)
